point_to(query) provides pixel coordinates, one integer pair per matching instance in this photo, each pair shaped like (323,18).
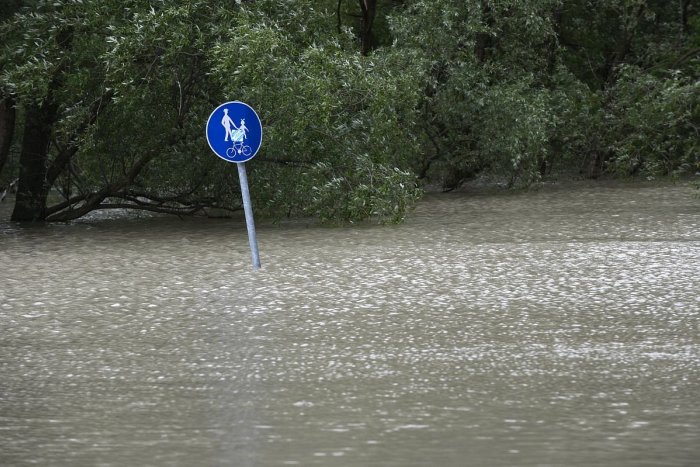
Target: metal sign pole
(249,221)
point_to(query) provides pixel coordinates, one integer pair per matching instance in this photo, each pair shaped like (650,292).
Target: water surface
(551,328)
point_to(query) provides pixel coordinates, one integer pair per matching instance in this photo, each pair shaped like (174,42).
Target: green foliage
(519,88)
(366,191)
(486,107)
(526,113)
(340,128)
(577,137)
(452,90)
(652,124)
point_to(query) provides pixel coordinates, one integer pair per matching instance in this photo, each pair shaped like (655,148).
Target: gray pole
(249,221)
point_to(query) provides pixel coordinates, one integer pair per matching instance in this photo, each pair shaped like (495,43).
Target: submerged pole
(234,140)
(249,221)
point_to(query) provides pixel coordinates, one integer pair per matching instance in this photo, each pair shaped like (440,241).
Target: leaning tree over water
(103,102)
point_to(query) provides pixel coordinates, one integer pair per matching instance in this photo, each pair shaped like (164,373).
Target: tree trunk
(685,6)
(7,129)
(369,11)
(32,188)
(553,46)
(484,40)
(623,46)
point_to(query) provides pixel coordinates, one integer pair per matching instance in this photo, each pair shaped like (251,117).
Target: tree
(84,75)
(638,59)
(7,104)
(497,106)
(360,101)
(116,95)
(45,58)
(486,101)
(7,129)
(340,127)
(365,28)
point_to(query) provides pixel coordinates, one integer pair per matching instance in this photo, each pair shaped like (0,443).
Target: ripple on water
(510,330)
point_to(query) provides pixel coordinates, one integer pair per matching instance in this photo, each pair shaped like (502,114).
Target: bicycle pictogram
(238,135)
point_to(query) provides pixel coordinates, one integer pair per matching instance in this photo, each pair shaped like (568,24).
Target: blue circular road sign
(234,132)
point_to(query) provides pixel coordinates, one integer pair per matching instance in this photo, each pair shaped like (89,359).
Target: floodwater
(549,328)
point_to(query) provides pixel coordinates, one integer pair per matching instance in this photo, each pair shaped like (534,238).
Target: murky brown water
(555,328)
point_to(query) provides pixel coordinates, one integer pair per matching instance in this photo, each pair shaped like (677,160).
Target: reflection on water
(548,328)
